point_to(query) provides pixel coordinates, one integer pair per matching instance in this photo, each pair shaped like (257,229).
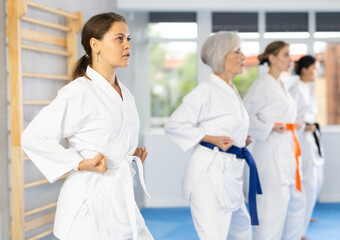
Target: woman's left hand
(141,153)
(298,125)
(310,127)
(249,140)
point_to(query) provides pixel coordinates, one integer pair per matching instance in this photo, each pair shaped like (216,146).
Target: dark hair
(95,27)
(273,48)
(304,62)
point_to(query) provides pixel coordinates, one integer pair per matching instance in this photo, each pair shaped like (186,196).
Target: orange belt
(291,127)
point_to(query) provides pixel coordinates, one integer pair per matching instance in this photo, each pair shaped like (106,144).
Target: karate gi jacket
(212,108)
(94,119)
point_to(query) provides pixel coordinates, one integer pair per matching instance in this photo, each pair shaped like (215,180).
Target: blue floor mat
(176,223)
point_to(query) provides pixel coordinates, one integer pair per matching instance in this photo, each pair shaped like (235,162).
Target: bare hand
(222,142)
(298,125)
(249,140)
(96,164)
(310,127)
(280,128)
(141,153)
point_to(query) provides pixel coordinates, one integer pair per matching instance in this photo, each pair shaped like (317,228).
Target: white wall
(331,187)
(164,170)
(228,5)
(166,162)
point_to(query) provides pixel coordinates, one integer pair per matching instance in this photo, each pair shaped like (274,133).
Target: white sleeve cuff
(76,168)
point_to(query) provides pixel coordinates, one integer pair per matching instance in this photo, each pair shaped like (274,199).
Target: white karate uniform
(281,207)
(94,119)
(312,166)
(213,179)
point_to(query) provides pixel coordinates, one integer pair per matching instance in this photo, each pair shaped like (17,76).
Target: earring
(97,57)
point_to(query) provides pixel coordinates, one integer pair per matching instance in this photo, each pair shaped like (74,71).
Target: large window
(173,47)
(173,62)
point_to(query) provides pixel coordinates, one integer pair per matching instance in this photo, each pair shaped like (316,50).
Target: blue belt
(254,182)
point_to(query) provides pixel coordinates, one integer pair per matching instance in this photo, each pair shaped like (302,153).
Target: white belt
(125,164)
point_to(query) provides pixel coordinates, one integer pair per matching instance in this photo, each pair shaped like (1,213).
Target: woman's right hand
(280,128)
(220,141)
(96,164)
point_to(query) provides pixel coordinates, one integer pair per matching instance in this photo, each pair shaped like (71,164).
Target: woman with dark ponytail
(309,136)
(97,114)
(272,114)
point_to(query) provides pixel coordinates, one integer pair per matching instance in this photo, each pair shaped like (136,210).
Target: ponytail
(263,58)
(80,67)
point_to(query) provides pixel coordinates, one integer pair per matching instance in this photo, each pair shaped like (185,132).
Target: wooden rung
(39,221)
(35,183)
(36,102)
(40,235)
(52,10)
(48,76)
(40,182)
(26,158)
(44,49)
(45,24)
(40,209)
(40,37)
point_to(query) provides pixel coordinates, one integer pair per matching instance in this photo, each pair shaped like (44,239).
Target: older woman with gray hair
(213,121)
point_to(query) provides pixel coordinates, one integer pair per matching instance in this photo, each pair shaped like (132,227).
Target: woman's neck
(274,72)
(304,79)
(227,79)
(108,73)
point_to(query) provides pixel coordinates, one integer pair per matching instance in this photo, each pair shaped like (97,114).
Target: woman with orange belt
(272,113)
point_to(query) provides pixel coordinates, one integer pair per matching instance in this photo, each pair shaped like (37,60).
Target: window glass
(172,67)
(250,72)
(173,70)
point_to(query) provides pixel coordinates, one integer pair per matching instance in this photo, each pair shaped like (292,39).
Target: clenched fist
(220,141)
(96,164)
(141,153)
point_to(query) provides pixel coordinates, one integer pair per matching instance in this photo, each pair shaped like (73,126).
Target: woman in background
(272,116)
(212,120)
(97,114)
(309,136)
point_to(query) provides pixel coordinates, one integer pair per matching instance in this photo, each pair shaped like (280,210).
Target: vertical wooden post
(15,9)
(4,174)
(331,74)
(74,25)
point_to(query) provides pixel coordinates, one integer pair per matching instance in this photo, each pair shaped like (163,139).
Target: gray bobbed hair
(217,47)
